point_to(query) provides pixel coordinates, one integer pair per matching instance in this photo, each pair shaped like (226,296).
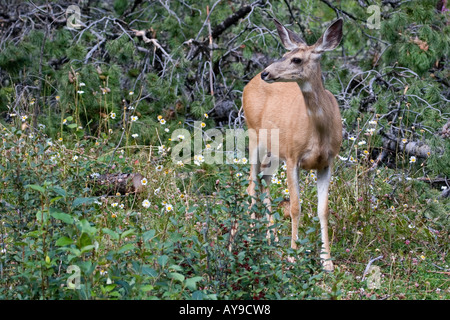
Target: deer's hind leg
(323,182)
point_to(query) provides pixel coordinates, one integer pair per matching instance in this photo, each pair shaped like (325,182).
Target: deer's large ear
(289,39)
(331,37)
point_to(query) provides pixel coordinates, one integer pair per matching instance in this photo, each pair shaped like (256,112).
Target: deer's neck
(317,102)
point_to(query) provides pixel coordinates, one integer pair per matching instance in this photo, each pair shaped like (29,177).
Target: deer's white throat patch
(306,86)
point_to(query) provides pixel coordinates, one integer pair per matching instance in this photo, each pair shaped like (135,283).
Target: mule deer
(289,96)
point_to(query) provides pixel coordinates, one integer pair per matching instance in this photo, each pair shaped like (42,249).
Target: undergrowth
(64,236)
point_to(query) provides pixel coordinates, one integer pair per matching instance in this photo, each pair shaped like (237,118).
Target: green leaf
(42,216)
(114,235)
(79,201)
(62,216)
(148,235)
(35,187)
(74,253)
(55,199)
(126,233)
(176,276)
(34,234)
(175,267)
(59,191)
(63,241)
(310,230)
(86,227)
(174,221)
(191,283)
(126,247)
(147,288)
(109,287)
(87,248)
(72,125)
(85,240)
(162,260)
(149,271)
(197,295)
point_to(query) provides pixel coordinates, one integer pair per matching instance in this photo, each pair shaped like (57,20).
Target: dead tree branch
(231,20)
(413,148)
(120,182)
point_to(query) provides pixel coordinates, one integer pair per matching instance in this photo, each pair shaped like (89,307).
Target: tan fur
(306,139)
(309,122)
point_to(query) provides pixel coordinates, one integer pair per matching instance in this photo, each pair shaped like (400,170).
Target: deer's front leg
(255,167)
(251,189)
(323,182)
(294,195)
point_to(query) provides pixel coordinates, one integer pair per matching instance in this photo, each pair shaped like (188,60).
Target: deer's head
(301,62)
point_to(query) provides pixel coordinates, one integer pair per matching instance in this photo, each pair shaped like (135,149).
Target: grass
(171,240)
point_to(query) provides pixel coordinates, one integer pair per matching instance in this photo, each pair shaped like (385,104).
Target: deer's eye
(296,60)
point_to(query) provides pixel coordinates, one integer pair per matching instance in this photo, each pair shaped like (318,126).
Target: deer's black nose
(264,75)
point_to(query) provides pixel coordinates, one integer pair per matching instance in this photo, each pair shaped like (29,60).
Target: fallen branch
(441,272)
(91,52)
(445,132)
(141,33)
(413,148)
(210,37)
(439,181)
(383,154)
(435,180)
(445,193)
(368,266)
(121,182)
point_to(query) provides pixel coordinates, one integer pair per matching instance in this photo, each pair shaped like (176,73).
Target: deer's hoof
(328,266)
